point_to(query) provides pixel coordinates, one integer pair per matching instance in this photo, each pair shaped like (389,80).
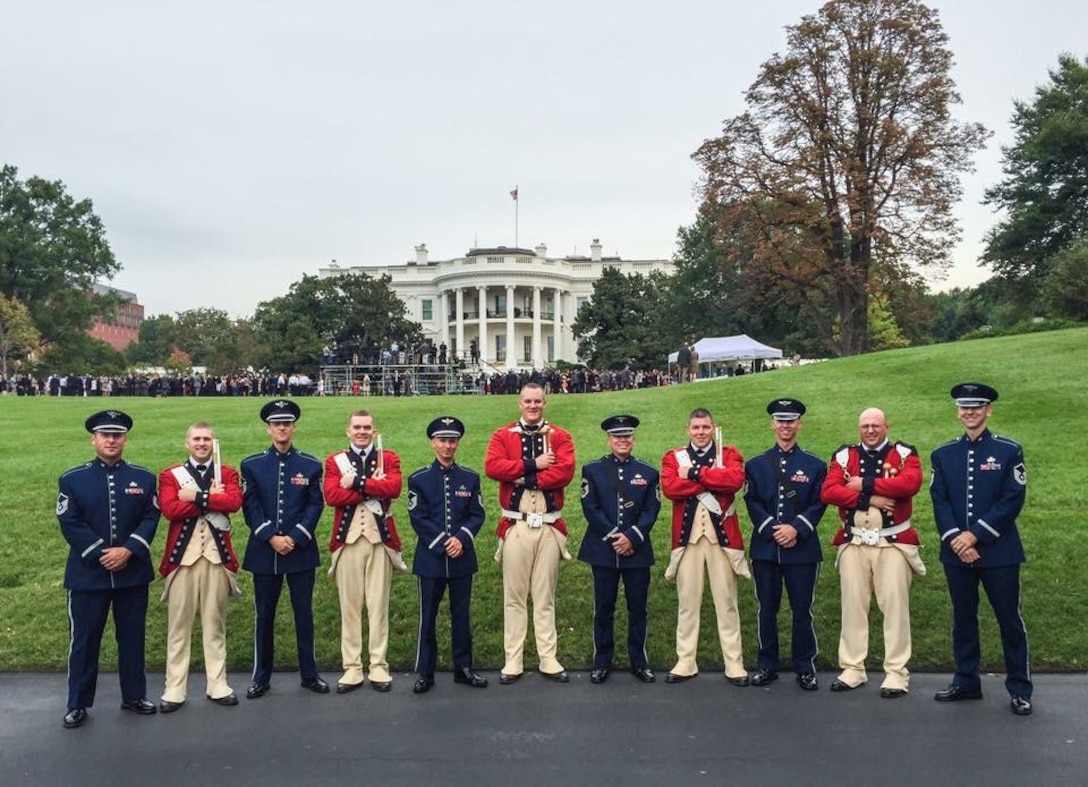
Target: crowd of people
(377,380)
(108,514)
(170,384)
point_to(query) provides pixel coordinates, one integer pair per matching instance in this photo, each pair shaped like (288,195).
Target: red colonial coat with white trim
(384,490)
(899,477)
(722,482)
(510,455)
(183,516)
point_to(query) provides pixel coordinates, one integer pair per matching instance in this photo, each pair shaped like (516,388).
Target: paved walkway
(704,732)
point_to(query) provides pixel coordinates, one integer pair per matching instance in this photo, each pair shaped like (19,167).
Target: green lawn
(1042,379)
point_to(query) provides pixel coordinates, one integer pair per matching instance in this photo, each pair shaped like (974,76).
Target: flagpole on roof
(514,195)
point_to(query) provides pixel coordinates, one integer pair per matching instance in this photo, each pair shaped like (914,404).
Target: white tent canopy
(741,347)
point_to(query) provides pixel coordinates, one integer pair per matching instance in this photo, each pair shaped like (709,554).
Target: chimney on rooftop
(595,250)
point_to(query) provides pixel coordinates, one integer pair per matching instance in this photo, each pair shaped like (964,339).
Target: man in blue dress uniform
(282,504)
(447,512)
(108,514)
(783,500)
(620,501)
(979,486)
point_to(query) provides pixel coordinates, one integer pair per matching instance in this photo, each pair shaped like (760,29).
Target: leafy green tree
(18,336)
(884,332)
(52,251)
(722,286)
(243,352)
(200,332)
(1066,290)
(1044,193)
(158,337)
(848,157)
(81,354)
(348,311)
(620,324)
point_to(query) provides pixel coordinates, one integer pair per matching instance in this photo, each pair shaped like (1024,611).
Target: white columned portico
(459,305)
(511,360)
(538,354)
(481,313)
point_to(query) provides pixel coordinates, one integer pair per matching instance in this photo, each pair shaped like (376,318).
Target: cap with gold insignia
(445,426)
(973,395)
(280,411)
(109,421)
(786,409)
(620,425)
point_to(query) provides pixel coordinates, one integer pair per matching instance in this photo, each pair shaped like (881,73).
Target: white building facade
(516,306)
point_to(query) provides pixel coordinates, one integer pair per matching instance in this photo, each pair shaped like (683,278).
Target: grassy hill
(1042,379)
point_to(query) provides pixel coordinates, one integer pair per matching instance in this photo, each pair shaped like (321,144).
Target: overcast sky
(232,146)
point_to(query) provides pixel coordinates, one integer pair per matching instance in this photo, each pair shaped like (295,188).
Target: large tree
(621,324)
(1045,190)
(18,336)
(350,311)
(52,251)
(848,157)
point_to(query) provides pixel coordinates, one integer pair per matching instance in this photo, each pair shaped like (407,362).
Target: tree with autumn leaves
(841,175)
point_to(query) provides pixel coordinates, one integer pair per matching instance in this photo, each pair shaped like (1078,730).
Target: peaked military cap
(445,426)
(620,425)
(786,409)
(973,395)
(280,411)
(109,421)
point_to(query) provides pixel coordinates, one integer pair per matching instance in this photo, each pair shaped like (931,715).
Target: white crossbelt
(534,520)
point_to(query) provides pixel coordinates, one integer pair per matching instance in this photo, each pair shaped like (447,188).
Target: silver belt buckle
(534,520)
(870,537)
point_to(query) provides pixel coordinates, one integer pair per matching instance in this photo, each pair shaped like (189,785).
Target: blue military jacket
(281,496)
(619,497)
(442,503)
(784,487)
(98,507)
(980,486)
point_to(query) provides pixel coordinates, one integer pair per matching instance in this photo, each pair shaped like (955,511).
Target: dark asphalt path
(623,733)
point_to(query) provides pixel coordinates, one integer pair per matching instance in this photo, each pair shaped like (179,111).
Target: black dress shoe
(557,677)
(257,689)
(469,677)
(229,700)
(672,677)
(741,681)
(316,685)
(509,680)
(956,693)
(423,684)
(838,685)
(166,706)
(598,675)
(808,681)
(143,706)
(382,686)
(347,688)
(1021,706)
(892,694)
(763,677)
(645,674)
(74,718)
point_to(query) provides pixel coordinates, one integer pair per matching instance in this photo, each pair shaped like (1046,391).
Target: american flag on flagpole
(514,194)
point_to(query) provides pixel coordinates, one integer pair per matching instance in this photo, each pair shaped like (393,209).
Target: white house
(516,304)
